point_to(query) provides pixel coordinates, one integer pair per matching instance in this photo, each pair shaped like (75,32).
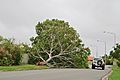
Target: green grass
(115,74)
(22,67)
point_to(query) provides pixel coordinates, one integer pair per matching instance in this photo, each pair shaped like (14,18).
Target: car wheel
(99,62)
(93,67)
(103,67)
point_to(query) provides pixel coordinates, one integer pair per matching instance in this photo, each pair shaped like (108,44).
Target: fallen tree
(57,44)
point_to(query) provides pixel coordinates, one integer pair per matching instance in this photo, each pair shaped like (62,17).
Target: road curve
(55,74)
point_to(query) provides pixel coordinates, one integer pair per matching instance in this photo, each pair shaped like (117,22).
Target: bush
(118,63)
(109,62)
(17,55)
(6,60)
(17,59)
(11,53)
(32,59)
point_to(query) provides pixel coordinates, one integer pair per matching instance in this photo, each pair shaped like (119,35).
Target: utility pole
(95,50)
(105,48)
(114,36)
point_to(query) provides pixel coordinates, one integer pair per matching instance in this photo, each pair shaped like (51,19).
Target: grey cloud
(89,17)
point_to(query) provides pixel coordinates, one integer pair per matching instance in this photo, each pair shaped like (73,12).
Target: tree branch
(61,51)
(52,42)
(46,52)
(67,48)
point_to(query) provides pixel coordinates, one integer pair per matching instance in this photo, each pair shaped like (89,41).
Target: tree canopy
(58,44)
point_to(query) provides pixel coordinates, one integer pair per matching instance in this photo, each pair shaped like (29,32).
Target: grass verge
(115,74)
(22,67)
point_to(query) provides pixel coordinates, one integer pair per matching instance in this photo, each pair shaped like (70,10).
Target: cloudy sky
(89,17)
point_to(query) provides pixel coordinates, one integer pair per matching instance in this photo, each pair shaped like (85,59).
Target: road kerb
(105,77)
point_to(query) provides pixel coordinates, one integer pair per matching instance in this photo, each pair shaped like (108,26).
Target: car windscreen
(97,59)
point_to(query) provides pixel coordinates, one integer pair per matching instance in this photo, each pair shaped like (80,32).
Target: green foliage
(17,56)
(33,59)
(116,53)
(58,44)
(6,59)
(109,60)
(10,53)
(118,63)
(80,58)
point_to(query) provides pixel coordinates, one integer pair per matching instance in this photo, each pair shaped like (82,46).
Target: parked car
(98,62)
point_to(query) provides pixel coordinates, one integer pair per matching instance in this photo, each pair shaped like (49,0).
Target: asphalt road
(55,74)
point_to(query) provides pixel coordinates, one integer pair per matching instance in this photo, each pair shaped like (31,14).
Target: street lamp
(114,36)
(96,49)
(105,48)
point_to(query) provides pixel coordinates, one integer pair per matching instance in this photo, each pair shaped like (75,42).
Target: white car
(98,62)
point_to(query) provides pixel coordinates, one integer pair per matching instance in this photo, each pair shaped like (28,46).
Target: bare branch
(40,56)
(67,48)
(61,51)
(57,55)
(48,59)
(34,55)
(45,51)
(52,42)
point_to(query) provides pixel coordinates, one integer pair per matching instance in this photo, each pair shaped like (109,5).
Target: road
(55,74)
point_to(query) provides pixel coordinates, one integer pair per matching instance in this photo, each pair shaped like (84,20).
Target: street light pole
(105,52)
(105,48)
(96,50)
(114,36)
(114,39)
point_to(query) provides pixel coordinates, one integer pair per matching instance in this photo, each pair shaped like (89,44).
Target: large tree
(57,43)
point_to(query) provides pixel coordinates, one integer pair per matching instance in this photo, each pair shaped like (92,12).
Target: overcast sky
(89,17)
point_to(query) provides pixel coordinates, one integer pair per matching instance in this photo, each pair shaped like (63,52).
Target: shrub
(32,59)
(6,60)
(11,53)
(109,62)
(118,63)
